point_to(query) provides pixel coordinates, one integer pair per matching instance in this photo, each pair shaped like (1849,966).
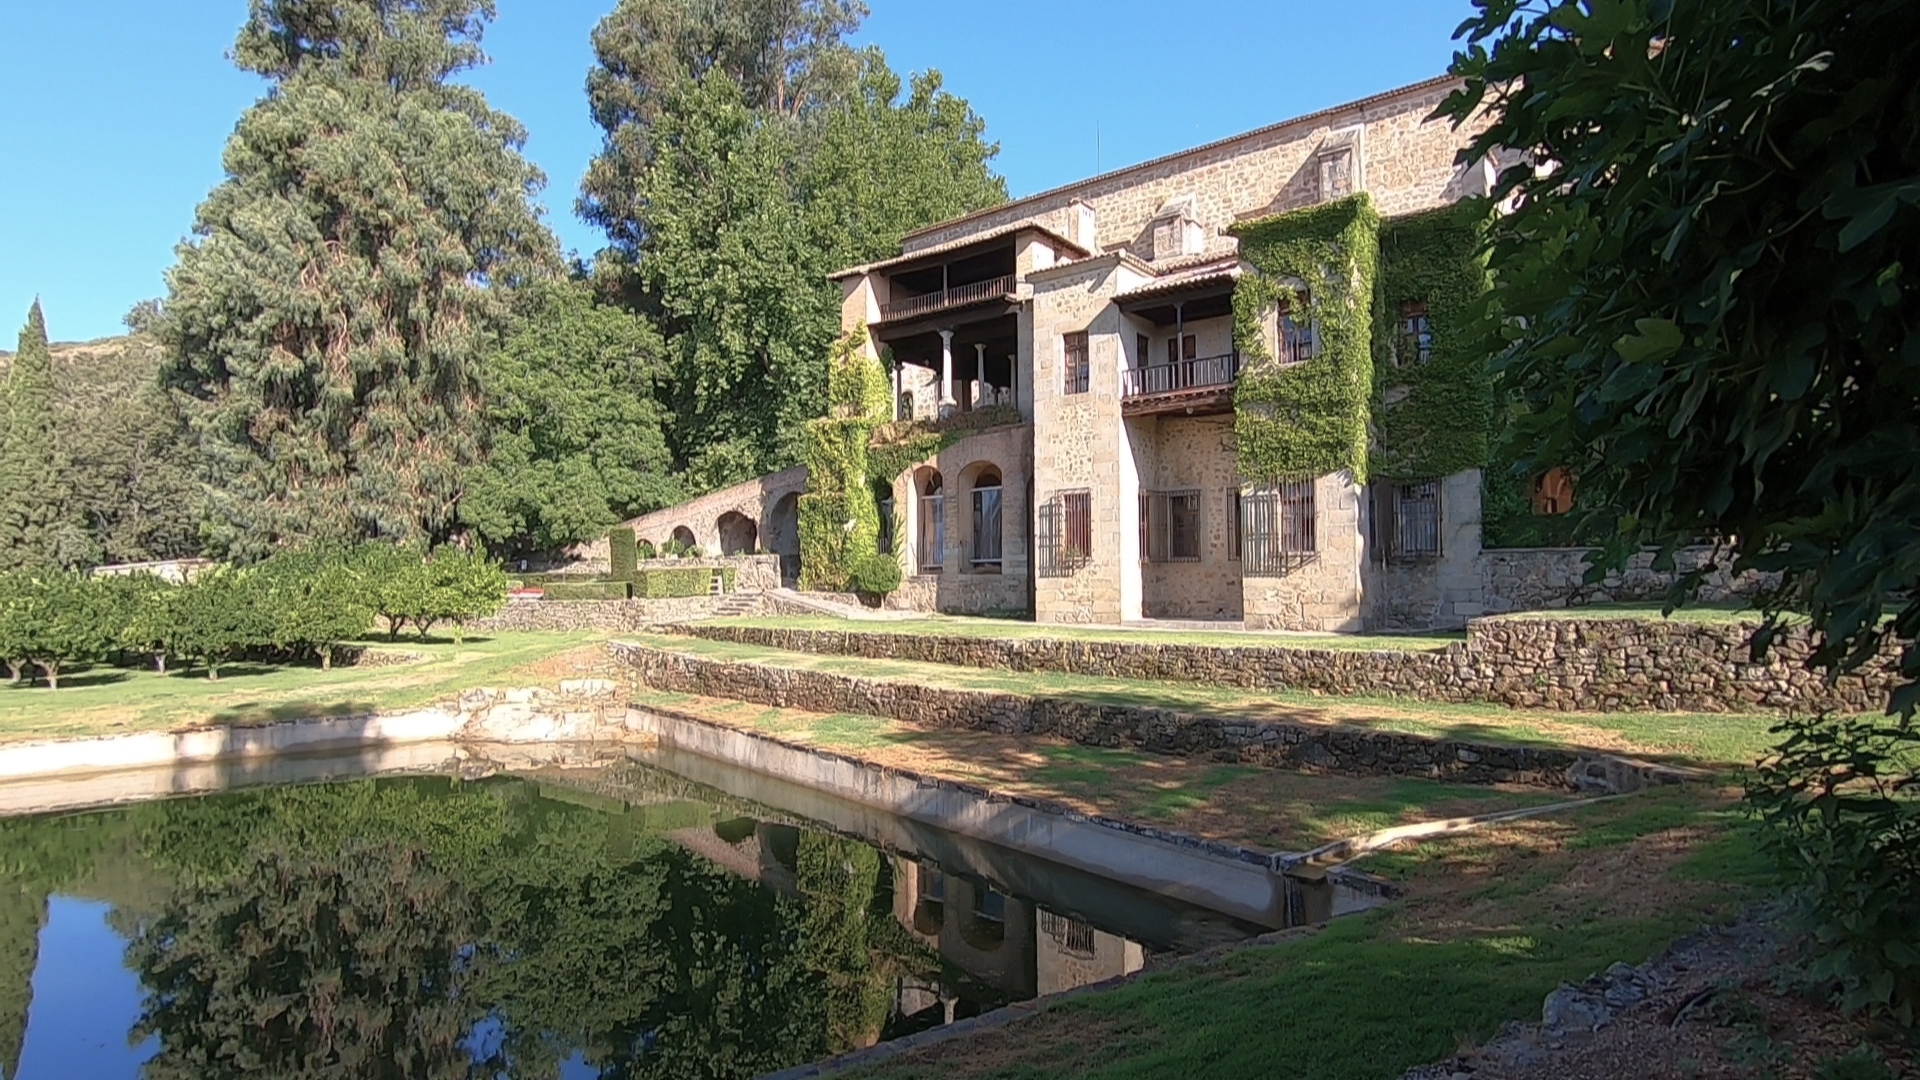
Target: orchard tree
(62,620)
(220,614)
(462,585)
(328,319)
(576,430)
(1704,304)
(316,602)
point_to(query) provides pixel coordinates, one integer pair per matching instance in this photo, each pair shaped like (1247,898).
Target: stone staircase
(738,604)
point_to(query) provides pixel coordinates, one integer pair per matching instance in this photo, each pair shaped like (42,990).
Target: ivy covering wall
(1297,421)
(1432,417)
(839,514)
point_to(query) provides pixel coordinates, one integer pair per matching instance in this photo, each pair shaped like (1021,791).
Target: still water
(619,921)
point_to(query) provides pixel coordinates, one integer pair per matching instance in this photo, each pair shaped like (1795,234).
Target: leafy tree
(461,586)
(328,320)
(787,58)
(393,582)
(316,601)
(1705,306)
(38,527)
(139,613)
(727,204)
(576,431)
(61,618)
(219,614)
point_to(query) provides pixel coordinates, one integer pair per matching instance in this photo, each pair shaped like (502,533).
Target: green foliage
(140,608)
(1308,419)
(856,383)
(219,614)
(316,601)
(748,153)
(1441,424)
(461,585)
(839,515)
(1845,826)
(39,528)
(623,553)
(54,618)
(576,441)
(691,581)
(897,446)
(587,590)
(1706,310)
(327,321)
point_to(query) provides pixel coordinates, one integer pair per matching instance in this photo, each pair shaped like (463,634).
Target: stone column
(1013,378)
(898,385)
(946,367)
(979,373)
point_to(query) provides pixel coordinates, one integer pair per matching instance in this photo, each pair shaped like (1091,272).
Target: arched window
(904,408)
(739,534)
(986,522)
(932,521)
(682,538)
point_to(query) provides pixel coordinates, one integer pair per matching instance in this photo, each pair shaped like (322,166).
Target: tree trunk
(326,658)
(160,661)
(18,669)
(394,623)
(50,668)
(213,670)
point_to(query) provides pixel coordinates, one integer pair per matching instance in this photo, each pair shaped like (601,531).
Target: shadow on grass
(255,712)
(381,641)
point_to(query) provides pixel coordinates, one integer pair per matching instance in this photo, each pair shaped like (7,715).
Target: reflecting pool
(617,921)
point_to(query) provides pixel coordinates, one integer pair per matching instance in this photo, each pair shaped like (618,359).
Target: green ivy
(839,516)
(1309,419)
(1441,424)
(898,446)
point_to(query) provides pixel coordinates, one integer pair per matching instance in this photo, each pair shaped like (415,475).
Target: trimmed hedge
(678,583)
(588,590)
(623,553)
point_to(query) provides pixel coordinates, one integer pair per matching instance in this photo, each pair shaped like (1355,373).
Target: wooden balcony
(1202,385)
(1000,288)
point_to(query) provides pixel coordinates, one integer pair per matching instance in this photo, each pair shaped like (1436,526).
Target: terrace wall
(1561,664)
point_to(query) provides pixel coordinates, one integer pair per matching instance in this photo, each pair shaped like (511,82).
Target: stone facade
(1161,731)
(759,515)
(1561,664)
(962,583)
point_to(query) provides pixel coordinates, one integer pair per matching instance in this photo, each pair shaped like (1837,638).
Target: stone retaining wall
(610,616)
(1563,664)
(1161,731)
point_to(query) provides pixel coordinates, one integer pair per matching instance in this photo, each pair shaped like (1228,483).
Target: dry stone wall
(611,616)
(1162,731)
(1561,664)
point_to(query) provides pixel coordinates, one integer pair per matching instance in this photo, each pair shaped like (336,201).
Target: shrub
(588,590)
(624,553)
(1839,795)
(875,574)
(670,584)
(646,550)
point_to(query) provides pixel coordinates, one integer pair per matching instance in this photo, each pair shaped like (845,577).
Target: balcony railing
(1199,374)
(958,296)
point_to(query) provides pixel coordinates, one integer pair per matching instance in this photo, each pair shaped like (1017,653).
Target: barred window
(1277,528)
(933,525)
(1416,335)
(1077,365)
(1170,526)
(1069,933)
(1415,525)
(1063,534)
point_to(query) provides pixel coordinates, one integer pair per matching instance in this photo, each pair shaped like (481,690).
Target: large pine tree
(38,524)
(329,317)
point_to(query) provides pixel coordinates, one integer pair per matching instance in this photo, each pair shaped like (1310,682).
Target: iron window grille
(1063,534)
(1170,526)
(1416,520)
(1277,528)
(933,532)
(1077,364)
(1072,935)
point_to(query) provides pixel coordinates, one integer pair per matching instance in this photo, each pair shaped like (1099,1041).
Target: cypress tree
(327,319)
(37,526)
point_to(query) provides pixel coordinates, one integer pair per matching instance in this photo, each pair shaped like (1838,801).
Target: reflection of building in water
(1011,945)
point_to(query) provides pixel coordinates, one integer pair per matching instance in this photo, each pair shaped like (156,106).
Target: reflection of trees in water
(38,857)
(304,965)
(364,929)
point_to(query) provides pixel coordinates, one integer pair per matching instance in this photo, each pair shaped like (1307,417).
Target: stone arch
(927,524)
(683,536)
(739,535)
(981,520)
(783,534)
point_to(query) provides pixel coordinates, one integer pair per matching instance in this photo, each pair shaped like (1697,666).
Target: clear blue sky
(113,112)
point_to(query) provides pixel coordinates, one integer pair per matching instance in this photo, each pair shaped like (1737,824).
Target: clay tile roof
(962,242)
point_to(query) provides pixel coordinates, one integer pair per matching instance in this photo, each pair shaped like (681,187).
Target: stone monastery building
(1222,385)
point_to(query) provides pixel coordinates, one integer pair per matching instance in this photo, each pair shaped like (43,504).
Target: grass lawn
(1493,923)
(1714,740)
(964,626)
(1725,612)
(1269,809)
(111,701)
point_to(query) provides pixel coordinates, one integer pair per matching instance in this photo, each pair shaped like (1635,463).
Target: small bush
(1838,800)
(623,552)
(588,590)
(876,574)
(671,584)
